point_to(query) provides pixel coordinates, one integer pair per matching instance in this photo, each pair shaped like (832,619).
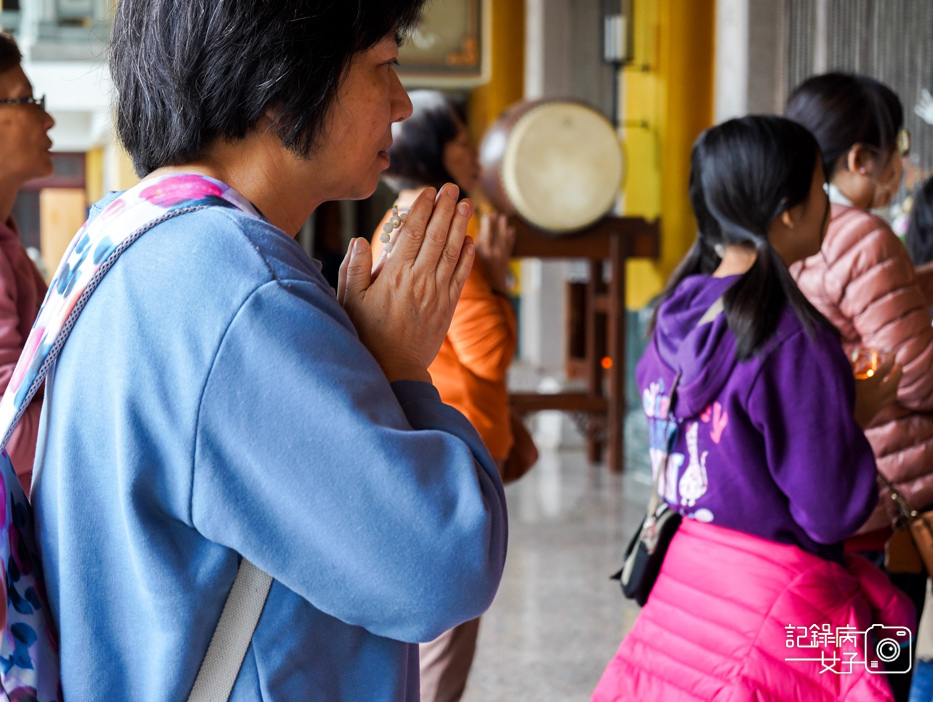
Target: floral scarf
(29,667)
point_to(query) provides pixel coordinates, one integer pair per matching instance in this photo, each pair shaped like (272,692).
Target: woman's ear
(859,160)
(787,220)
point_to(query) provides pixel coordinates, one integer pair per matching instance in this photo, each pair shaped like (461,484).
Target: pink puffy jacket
(716,626)
(864,282)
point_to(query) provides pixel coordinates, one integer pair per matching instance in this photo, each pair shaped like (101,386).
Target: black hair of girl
(919,237)
(744,173)
(417,152)
(844,109)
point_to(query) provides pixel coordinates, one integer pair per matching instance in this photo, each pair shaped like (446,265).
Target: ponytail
(744,174)
(754,304)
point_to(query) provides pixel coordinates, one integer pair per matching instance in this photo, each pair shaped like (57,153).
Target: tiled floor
(558,619)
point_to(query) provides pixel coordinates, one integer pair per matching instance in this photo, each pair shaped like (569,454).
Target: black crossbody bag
(645,552)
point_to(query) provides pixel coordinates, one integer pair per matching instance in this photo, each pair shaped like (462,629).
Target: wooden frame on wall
(450,46)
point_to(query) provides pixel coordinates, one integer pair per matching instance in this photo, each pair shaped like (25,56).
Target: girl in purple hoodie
(765,393)
(755,430)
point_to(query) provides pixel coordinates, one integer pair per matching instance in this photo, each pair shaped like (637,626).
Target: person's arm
(375,502)
(878,293)
(817,454)
(483,330)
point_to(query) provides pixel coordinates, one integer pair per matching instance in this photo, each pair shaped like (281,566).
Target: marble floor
(558,618)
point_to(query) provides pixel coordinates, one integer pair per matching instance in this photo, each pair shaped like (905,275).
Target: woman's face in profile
(461,161)
(353,148)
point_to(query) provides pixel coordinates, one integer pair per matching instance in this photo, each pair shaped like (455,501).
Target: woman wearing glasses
(863,280)
(24,155)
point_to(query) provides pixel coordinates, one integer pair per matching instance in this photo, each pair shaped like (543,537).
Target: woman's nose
(401,103)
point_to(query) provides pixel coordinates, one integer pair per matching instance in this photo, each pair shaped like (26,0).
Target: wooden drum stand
(612,239)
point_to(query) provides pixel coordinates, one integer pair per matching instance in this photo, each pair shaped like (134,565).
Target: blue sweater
(214,400)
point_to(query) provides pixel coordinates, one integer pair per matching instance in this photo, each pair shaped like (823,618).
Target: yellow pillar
(94,173)
(62,211)
(507,70)
(125,175)
(667,101)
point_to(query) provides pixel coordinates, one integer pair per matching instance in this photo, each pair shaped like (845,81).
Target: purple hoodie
(767,446)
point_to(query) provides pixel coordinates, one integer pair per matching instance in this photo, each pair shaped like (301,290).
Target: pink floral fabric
(29,668)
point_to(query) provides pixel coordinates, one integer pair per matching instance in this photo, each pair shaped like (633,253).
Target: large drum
(557,164)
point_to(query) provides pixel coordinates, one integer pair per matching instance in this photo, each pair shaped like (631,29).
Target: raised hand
(402,309)
(874,393)
(494,247)
(924,107)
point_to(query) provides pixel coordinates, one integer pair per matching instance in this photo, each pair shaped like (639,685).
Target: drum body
(557,164)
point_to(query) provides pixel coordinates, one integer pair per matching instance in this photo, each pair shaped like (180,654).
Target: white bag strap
(232,637)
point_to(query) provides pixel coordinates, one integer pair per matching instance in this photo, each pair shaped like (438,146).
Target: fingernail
(359,246)
(464,208)
(452,190)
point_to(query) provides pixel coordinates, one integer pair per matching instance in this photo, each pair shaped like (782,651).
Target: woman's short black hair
(919,237)
(417,153)
(842,110)
(10,56)
(744,173)
(189,72)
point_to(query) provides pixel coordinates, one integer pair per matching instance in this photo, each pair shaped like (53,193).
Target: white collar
(836,197)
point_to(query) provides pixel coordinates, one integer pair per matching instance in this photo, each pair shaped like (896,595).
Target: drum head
(562,166)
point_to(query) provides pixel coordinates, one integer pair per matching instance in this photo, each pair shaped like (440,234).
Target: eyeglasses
(903,142)
(37,101)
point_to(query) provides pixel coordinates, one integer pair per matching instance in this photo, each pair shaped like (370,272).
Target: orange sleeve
(470,372)
(483,331)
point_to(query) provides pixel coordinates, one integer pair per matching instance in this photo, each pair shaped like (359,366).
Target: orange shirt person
(431,148)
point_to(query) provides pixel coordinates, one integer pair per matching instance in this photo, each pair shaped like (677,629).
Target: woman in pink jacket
(862,279)
(769,474)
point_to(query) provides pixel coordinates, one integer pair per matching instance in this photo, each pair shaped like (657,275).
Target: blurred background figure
(430,148)
(919,242)
(24,155)
(919,237)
